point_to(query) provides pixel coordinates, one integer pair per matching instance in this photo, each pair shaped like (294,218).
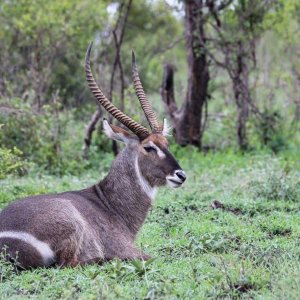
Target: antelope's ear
(118,133)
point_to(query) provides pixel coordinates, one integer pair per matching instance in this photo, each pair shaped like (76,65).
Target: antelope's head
(153,161)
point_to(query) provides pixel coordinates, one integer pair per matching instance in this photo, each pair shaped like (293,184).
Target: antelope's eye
(149,149)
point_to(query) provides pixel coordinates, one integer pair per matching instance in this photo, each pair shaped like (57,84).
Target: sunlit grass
(248,248)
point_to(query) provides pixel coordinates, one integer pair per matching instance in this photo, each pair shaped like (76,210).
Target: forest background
(226,74)
(234,64)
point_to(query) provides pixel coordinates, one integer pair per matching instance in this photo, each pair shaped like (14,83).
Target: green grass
(249,248)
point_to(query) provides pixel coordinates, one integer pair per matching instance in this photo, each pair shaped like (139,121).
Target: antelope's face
(153,161)
(157,164)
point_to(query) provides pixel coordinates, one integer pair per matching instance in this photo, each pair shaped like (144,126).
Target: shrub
(276,186)
(11,162)
(50,139)
(270,130)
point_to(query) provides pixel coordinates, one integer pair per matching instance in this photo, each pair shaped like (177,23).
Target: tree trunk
(187,120)
(242,117)
(242,97)
(118,34)
(90,128)
(167,92)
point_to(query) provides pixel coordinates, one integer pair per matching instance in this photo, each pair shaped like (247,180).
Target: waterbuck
(101,222)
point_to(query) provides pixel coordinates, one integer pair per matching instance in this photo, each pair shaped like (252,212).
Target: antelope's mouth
(174,182)
(177,179)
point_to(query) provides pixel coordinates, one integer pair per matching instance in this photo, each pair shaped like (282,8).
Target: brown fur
(157,139)
(29,256)
(95,224)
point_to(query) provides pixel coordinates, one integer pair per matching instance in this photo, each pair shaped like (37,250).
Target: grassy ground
(249,247)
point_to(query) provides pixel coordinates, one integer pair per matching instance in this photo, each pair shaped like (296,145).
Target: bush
(50,139)
(270,130)
(276,186)
(11,162)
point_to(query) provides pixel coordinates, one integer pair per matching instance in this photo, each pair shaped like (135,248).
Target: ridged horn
(136,128)
(146,106)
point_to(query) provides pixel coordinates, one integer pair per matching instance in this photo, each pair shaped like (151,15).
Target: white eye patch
(159,152)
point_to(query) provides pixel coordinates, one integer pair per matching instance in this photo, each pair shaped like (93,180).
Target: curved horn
(149,113)
(136,128)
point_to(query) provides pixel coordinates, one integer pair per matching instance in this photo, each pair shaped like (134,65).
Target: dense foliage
(43,46)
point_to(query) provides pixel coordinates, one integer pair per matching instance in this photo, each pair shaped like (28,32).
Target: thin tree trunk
(242,97)
(242,117)
(90,128)
(118,34)
(167,92)
(187,120)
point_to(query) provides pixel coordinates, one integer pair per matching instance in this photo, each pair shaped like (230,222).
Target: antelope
(101,222)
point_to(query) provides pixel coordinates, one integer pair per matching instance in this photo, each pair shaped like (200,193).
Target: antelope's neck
(126,190)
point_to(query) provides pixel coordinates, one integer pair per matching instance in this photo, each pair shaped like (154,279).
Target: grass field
(247,246)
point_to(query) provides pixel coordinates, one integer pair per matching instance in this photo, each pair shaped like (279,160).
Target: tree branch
(118,34)
(167,91)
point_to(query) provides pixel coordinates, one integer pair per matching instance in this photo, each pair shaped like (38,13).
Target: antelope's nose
(181,175)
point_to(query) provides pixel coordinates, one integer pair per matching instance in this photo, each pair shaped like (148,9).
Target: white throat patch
(146,187)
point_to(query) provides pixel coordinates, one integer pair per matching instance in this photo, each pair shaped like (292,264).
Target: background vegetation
(233,229)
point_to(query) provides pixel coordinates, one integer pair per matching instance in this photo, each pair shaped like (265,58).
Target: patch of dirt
(191,207)
(219,205)
(242,287)
(166,210)
(283,232)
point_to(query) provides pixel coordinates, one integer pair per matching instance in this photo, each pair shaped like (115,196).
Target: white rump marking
(42,247)
(159,152)
(146,187)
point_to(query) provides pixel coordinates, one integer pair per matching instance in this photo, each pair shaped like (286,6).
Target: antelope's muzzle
(177,179)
